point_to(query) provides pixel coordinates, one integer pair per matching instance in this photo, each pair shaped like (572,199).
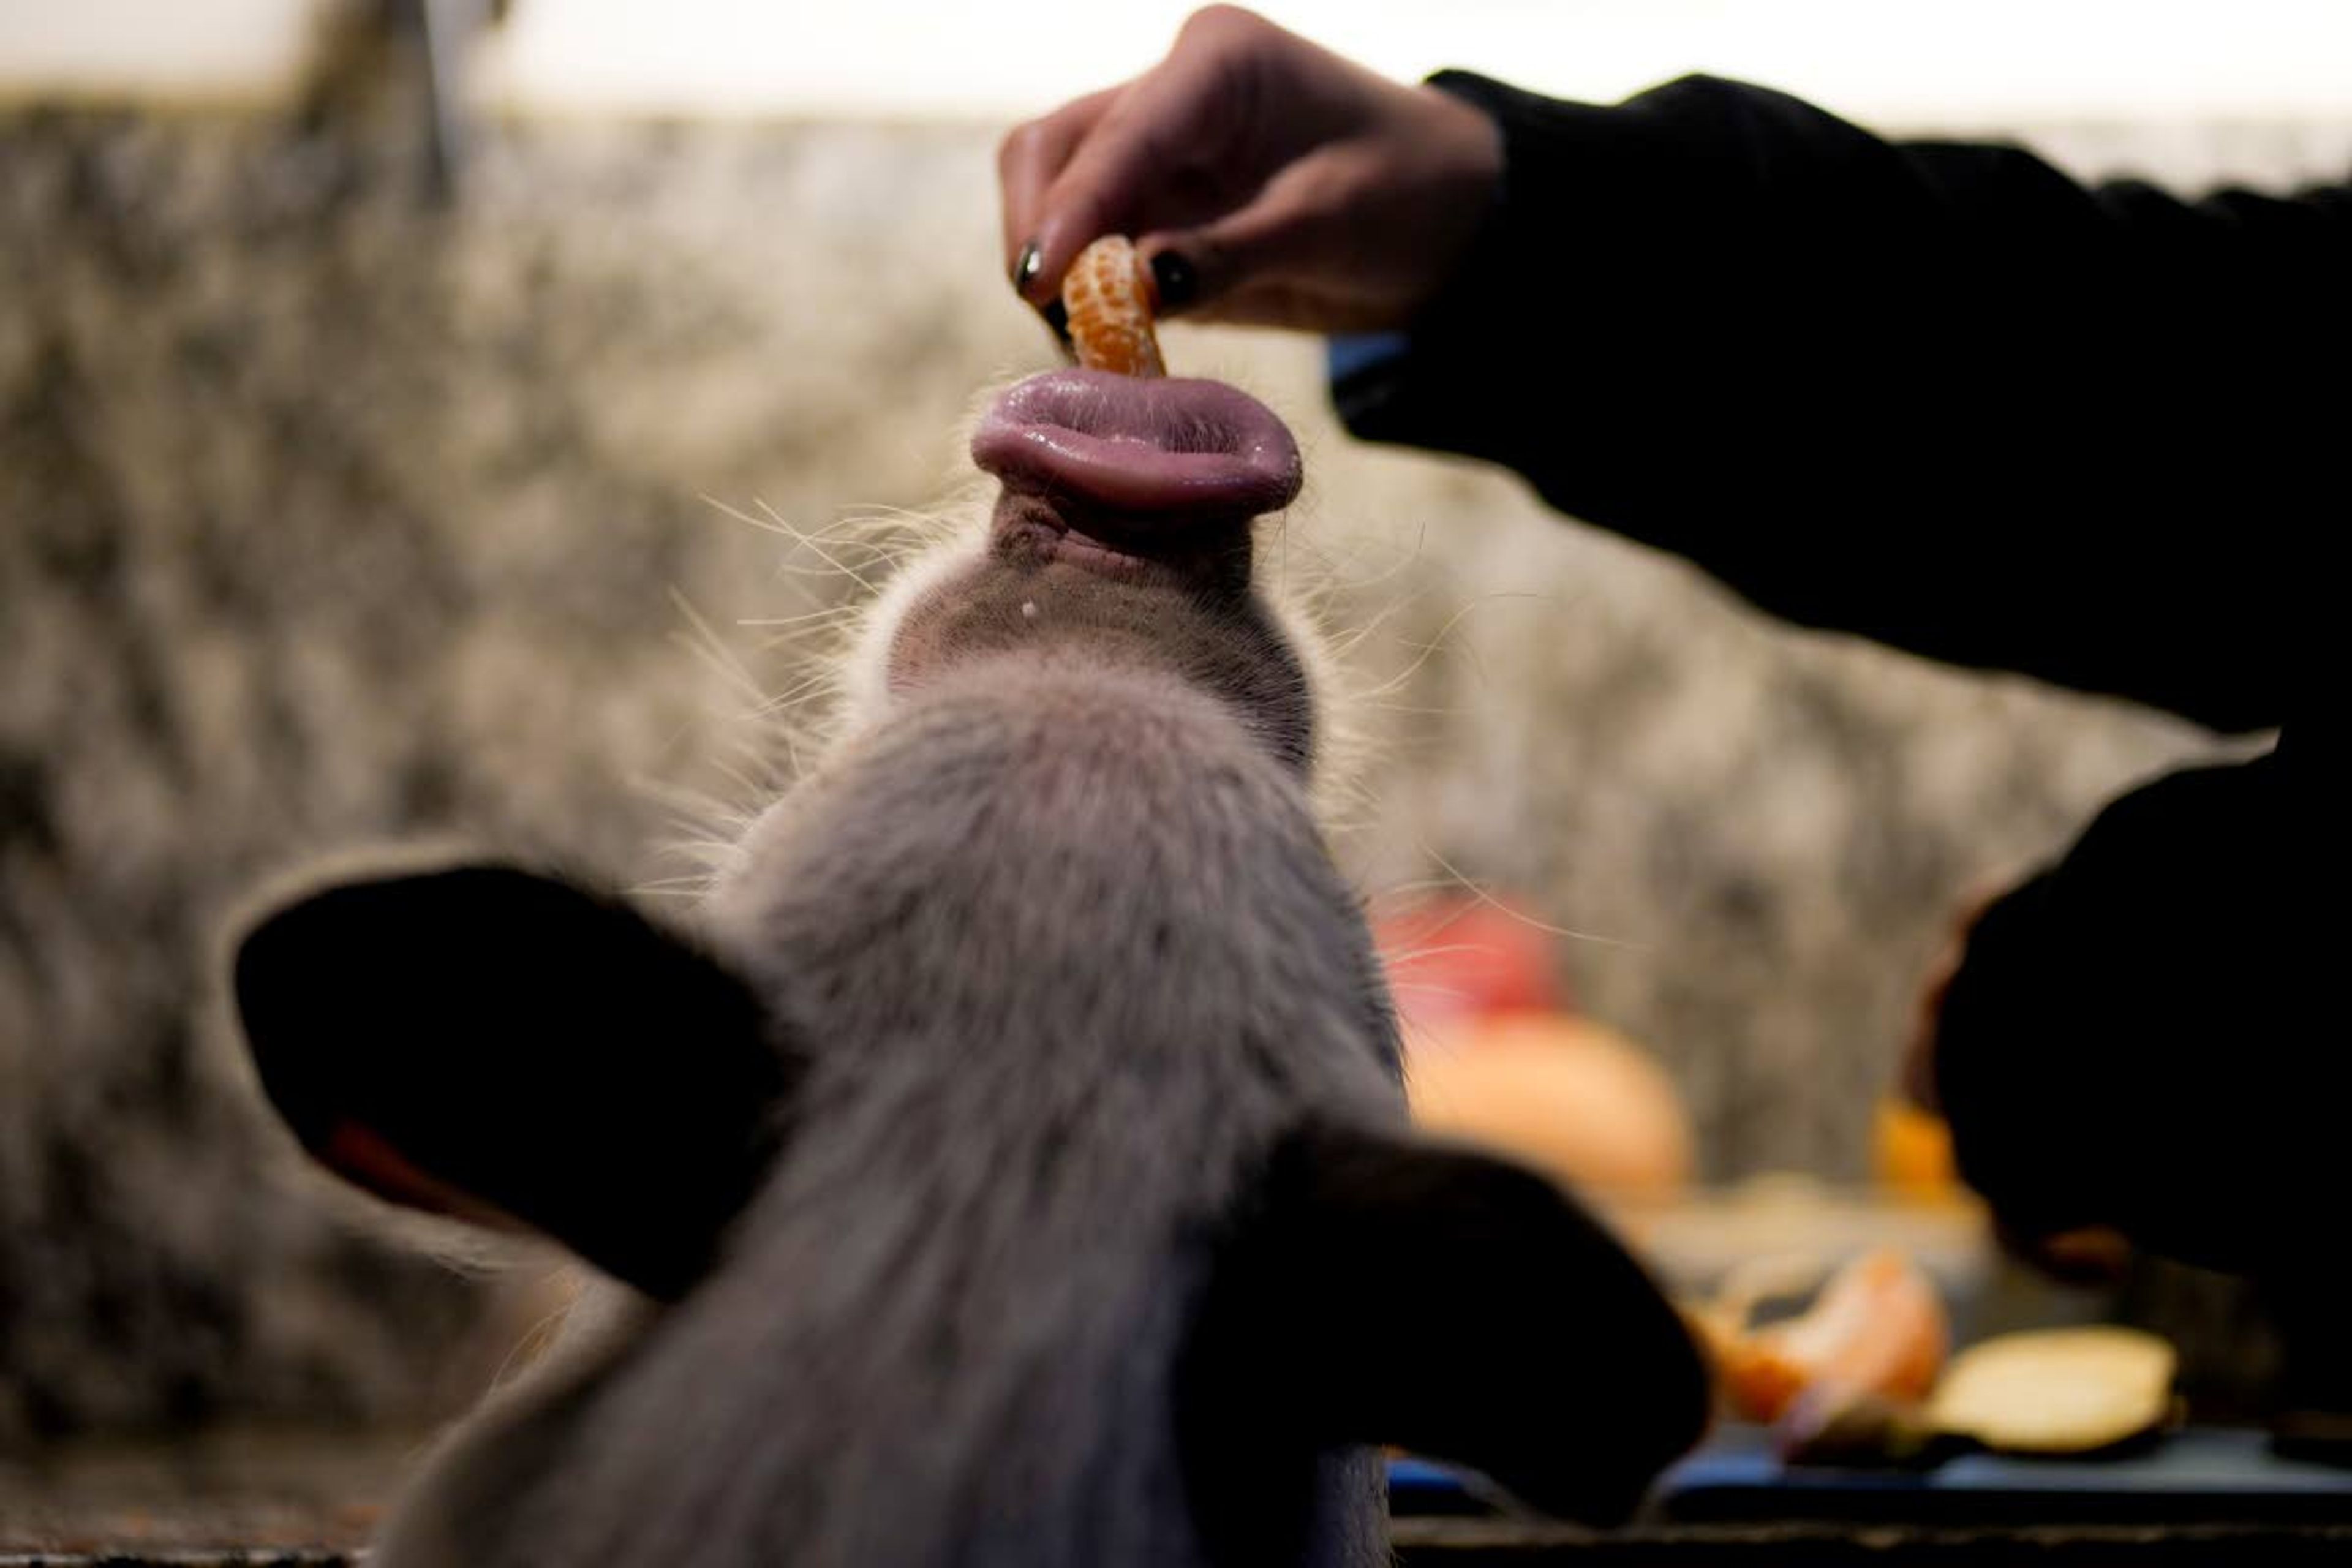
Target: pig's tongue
(1144,450)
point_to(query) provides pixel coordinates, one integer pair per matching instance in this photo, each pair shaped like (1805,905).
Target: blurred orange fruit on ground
(1578,1102)
(1878,1328)
(1912,1154)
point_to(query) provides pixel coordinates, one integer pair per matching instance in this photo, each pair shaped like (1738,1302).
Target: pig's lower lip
(1149,453)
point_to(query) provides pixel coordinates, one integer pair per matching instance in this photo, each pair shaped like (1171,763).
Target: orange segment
(1109,296)
(1878,1326)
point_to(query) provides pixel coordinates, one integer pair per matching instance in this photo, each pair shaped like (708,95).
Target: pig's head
(513,1049)
(490,1044)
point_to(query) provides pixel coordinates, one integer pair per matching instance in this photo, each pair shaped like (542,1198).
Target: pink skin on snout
(1150,467)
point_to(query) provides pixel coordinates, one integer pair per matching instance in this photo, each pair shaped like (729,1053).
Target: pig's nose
(1145,454)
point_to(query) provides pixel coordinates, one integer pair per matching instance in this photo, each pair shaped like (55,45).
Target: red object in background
(1462,958)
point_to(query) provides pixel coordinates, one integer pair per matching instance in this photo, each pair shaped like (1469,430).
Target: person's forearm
(1940,396)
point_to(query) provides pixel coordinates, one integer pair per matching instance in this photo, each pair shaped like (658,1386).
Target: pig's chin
(1033,535)
(1040,606)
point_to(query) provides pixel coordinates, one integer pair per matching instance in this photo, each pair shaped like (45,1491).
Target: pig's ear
(1390,1290)
(490,1043)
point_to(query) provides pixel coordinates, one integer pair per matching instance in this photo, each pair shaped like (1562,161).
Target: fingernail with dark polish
(1058,318)
(1174,277)
(1024,267)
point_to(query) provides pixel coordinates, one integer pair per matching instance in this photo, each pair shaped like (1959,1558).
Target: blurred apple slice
(2057,1391)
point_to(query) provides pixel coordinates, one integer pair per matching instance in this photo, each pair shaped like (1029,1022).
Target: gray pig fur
(1067,954)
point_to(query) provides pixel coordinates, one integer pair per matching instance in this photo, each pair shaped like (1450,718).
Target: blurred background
(407,410)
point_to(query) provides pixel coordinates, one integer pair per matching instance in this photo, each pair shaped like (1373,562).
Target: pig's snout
(1156,469)
(1122,537)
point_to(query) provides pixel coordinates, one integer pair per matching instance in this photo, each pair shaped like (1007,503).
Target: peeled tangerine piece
(1877,1327)
(2057,1391)
(1109,297)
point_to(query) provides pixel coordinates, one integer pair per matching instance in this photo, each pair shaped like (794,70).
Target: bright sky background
(1894,62)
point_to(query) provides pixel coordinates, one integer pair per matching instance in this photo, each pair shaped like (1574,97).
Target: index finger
(1027,162)
(1174,145)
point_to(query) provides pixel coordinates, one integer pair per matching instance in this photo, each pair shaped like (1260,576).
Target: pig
(1008,1163)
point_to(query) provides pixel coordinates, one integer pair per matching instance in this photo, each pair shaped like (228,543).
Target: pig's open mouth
(1126,474)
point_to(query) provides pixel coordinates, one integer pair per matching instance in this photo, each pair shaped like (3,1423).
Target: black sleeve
(2149,1036)
(1940,396)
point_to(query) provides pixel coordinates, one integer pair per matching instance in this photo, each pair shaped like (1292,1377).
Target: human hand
(2089,1255)
(1917,1077)
(1266,180)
